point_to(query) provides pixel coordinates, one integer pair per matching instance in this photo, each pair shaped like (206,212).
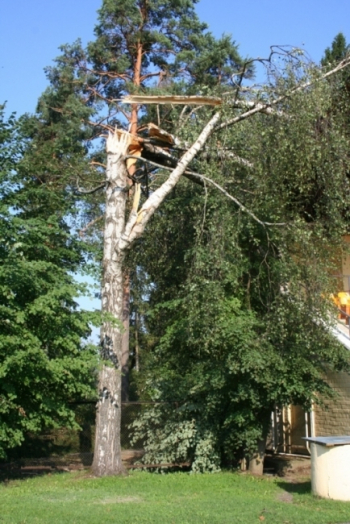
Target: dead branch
(94,163)
(83,231)
(191,175)
(234,199)
(172,99)
(157,153)
(89,191)
(184,119)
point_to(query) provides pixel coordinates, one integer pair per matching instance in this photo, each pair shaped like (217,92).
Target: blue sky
(32,30)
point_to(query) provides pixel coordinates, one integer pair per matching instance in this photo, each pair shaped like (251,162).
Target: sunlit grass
(173,498)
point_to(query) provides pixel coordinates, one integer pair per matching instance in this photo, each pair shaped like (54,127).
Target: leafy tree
(139,44)
(338,51)
(236,318)
(77,86)
(44,361)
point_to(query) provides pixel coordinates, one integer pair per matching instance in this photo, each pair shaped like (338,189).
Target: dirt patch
(290,468)
(119,500)
(285,497)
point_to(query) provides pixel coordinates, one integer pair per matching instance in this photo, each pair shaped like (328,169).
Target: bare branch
(94,163)
(264,107)
(89,191)
(191,175)
(183,119)
(234,199)
(83,231)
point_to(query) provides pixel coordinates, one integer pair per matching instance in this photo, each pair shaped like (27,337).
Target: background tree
(44,361)
(337,52)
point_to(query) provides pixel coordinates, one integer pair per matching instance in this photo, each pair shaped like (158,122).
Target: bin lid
(341,440)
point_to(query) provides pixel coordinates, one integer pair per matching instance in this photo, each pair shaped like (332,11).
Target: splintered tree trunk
(107,455)
(119,236)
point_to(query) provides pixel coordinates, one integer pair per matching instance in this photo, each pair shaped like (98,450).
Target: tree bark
(126,286)
(125,337)
(256,461)
(107,455)
(118,236)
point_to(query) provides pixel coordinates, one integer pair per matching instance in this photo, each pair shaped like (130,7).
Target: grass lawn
(169,498)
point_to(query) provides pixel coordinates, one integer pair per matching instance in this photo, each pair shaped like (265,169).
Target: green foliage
(43,362)
(175,45)
(237,317)
(338,50)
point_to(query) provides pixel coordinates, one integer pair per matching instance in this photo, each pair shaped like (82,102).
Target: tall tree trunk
(126,294)
(137,345)
(125,336)
(119,236)
(107,455)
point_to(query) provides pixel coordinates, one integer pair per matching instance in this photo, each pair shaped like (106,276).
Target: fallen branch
(192,174)
(234,199)
(138,221)
(172,99)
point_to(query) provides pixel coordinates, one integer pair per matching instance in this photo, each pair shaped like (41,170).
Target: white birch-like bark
(138,221)
(107,454)
(117,238)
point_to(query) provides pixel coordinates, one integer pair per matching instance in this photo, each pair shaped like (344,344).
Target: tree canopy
(44,361)
(231,277)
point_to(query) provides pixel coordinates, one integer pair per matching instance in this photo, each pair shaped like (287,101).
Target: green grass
(173,498)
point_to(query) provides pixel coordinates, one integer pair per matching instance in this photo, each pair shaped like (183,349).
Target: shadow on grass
(295,487)
(18,472)
(27,468)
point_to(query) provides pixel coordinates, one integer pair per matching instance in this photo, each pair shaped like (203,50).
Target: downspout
(310,416)
(273,430)
(307,430)
(312,421)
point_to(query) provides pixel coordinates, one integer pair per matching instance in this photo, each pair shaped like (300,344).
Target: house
(290,424)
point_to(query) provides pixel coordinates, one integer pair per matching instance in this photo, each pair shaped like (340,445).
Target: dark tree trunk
(256,461)
(125,338)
